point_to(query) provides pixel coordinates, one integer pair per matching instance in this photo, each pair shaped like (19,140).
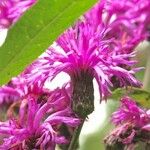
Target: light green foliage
(141,96)
(35,31)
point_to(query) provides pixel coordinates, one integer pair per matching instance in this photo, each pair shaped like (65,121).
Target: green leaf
(35,31)
(141,96)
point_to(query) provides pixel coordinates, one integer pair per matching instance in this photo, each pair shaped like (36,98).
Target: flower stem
(74,140)
(146,83)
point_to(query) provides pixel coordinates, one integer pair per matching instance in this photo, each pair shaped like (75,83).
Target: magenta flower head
(12,10)
(133,125)
(37,123)
(19,87)
(86,52)
(134,13)
(130,112)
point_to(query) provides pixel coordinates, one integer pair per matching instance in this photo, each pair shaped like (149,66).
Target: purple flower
(122,20)
(12,10)
(132,125)
(134,14)
(90,48)
(130,112)
(87,52)
(121,138)
(37,123)
(18,88)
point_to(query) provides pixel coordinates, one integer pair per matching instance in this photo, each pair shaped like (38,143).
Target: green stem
(74,140)
(146,82)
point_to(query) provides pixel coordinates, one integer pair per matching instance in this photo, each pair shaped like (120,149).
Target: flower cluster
(134,15)
(37,124)
(99,46)
(11,10)
(133,125)
(90,49)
